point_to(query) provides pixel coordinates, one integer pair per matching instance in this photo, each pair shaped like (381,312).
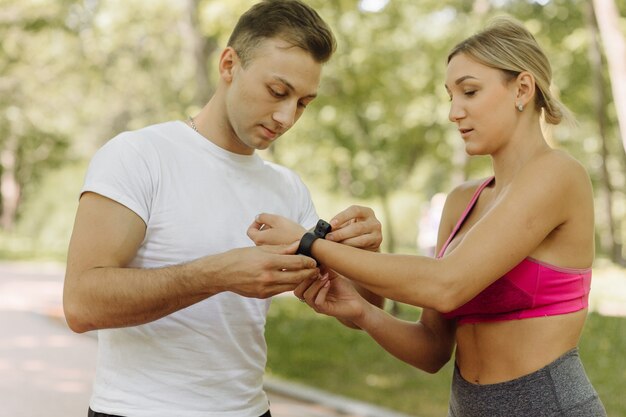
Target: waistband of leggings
(573,353)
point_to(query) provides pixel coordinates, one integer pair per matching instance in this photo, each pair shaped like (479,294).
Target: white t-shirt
(196,199)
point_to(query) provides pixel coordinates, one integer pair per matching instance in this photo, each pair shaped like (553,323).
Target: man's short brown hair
(290,20)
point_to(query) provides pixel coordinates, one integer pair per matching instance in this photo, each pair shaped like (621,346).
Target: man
(159,261)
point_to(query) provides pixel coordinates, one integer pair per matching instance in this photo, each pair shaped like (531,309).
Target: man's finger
(302,287)
(291,248)
(296,278)
(288,262)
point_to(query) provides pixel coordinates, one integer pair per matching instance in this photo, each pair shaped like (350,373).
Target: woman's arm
(426,344)
(540,199)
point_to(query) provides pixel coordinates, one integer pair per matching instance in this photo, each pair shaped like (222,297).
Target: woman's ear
(227,64)
(525,88)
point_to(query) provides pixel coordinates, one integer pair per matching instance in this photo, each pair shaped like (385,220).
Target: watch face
(322,228)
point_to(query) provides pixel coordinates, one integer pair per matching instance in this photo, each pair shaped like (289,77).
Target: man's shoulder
(158,130)
(146,136)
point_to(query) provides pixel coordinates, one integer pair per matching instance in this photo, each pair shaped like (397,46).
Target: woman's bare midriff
(494,352)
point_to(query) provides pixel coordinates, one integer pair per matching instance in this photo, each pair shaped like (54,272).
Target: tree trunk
(10,189)
(202,48)
(607,16)
(611,242)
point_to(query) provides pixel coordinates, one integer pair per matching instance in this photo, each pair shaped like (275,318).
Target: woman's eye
(470,93)
(277,94)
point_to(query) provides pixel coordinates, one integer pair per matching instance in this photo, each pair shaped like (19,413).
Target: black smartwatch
(320,231)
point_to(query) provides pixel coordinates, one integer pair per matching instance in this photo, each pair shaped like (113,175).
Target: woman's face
(482,104)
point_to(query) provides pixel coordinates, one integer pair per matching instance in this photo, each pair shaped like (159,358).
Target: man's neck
(212,123)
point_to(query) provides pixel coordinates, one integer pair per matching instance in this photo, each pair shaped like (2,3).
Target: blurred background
(73,74)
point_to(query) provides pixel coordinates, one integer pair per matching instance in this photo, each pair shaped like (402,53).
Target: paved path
(46,370)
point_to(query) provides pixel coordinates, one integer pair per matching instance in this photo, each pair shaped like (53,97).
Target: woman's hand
(334,296)
(357,226)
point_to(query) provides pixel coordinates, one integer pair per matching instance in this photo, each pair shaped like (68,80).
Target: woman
(510,285)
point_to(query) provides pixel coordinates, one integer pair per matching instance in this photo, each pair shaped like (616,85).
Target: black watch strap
(305,244)
(321,229)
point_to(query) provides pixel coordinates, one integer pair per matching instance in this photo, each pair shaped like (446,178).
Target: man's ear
(525,88)
(229,60)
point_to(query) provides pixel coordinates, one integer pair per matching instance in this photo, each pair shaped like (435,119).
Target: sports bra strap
(469,208)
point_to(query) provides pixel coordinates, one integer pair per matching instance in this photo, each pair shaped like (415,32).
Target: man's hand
(264,271)
(357,226)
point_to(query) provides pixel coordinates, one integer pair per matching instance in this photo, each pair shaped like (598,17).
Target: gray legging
(559,389)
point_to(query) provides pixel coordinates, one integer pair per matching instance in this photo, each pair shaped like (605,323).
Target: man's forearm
(109,297)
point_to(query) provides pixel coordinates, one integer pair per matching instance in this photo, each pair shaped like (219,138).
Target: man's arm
(100,291)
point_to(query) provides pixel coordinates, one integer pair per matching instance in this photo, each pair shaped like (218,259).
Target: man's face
(267,96)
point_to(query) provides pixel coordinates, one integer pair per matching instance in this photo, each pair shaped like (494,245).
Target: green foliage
(318,351)
(75,73)
(34,131)
(378,108)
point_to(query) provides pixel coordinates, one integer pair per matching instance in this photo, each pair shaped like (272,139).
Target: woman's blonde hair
(505,44)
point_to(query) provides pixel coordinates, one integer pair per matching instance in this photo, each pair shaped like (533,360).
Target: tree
(612,240)
(32,136)
(607,14)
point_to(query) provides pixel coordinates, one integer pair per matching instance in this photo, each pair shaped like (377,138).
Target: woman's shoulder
(556,168)
(559,159)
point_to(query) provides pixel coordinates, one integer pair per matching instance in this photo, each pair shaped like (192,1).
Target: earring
(520,107)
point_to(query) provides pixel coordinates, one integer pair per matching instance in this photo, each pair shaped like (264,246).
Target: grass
(603,352)
(318,351)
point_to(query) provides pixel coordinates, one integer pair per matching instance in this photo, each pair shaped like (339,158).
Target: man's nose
(285,114)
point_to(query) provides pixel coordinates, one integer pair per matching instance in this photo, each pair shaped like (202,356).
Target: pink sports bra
(531,289)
